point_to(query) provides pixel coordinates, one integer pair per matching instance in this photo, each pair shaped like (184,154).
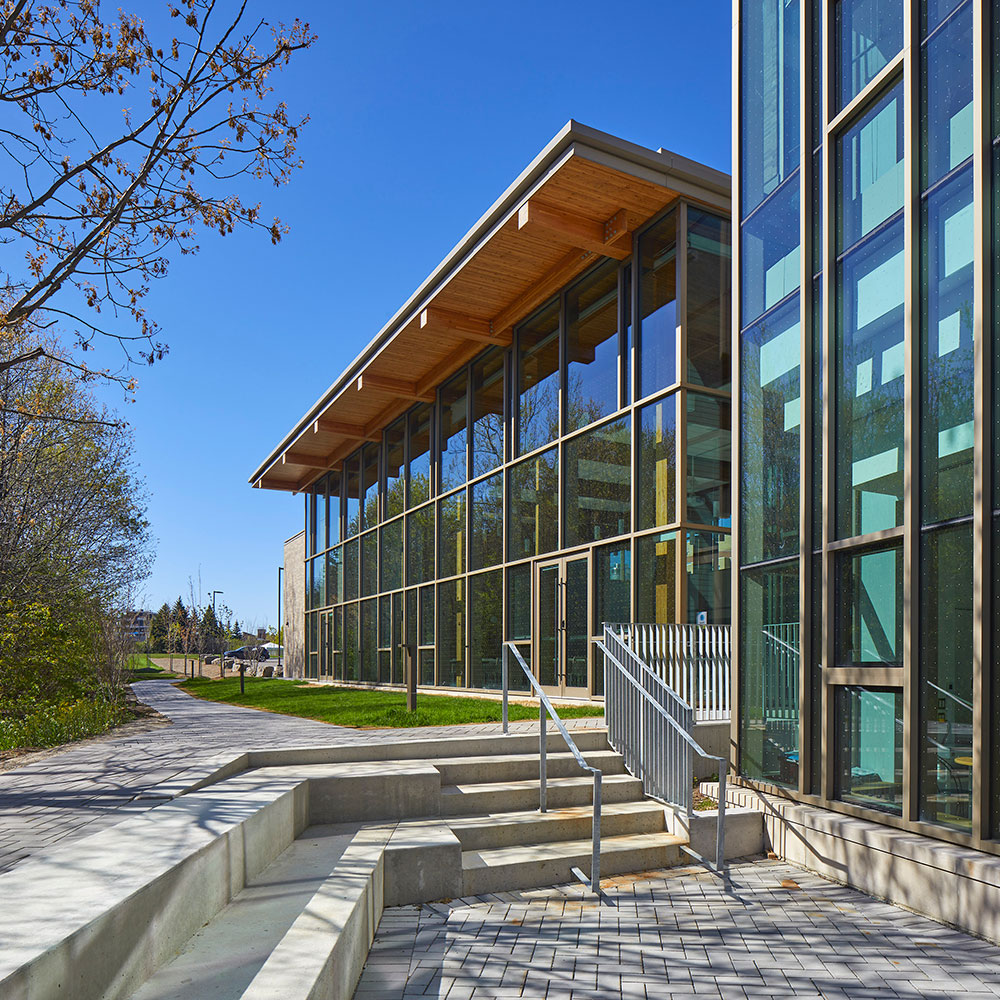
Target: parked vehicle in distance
(246,653)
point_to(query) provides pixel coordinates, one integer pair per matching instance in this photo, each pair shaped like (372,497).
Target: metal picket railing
(546,709)
(651,725)
(692,660)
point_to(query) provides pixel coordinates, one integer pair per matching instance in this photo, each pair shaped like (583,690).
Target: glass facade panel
(369,564)
(351,653)
(770,252)
(533,507)
(658,306)
(592,347)
(870,748)
(452,535)
(708,457)
(946,691)
(333,535)
(486,509)
(709,294)
(395,480)
(487,414)
(656,578)
(451,633)
(369,486)
(322,514)
(334,577)
(351,567)
(869,607)
(868,33)
(369,641)
(419,465)
(935,11)
(769,678)
(352,489)
(420,545)
(769,97)
(454,432)
(599,483)
(709,565)
(391,567)
(948,354)
(870,385)
(538,379)
(486,629)
(612,586)
(657,463)
(769,437)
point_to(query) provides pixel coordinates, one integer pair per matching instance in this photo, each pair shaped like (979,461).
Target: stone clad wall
(294,611)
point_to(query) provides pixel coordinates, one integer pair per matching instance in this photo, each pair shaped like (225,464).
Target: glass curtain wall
(586,437)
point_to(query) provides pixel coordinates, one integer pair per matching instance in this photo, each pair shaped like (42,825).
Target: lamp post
(279,635)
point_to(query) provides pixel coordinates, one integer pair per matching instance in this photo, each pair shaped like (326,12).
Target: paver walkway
(775,931)
(98,783)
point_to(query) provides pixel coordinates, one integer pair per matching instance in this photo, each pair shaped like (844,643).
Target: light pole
(280,635)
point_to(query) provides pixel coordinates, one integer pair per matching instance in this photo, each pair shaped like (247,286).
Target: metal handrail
(679,729)
(545,709)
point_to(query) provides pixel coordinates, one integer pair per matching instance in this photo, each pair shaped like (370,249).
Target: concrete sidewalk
(87,787)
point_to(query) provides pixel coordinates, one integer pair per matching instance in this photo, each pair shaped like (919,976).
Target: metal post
(542,746)
(595,860)
(280,634)
(505,682)
(720,830)
(410,665)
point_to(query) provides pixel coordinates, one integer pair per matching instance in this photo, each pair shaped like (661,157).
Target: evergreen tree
(237,633)
(180,614)
(210,632)
(158,628)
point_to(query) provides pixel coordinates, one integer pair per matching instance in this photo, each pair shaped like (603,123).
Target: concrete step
(531,866)
(514,796)
(477,833)
(523,766)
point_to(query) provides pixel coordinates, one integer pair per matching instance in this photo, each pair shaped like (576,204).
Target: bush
(47,724)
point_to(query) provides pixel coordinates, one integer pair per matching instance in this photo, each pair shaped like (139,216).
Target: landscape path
(773,931)
(99,782)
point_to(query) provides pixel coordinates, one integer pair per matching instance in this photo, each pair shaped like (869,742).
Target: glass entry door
(561,627)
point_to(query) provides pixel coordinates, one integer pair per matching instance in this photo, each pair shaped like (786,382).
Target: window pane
(870,748)
(769,437)
(385,621)
(658,306)
(946,696)
(333,508)
(391,568)
(352,489)
(369,486)
(709,563)
(351,626)
(948,351)
(709,287)
(868,34)
(869,385)
(485,628)
(454,432)
(420,455)
(869,608)
(769,94)
(369,563)
(519,604)
(488,396)
(769,259)
(427,618)
(351,561)
(369,641)
(709,459)
(870,170)
(318,593)
(657,495)
(452,537)
(395,441)
(451,633)
(487,522)
(769,679)
(420,545)
(817,413)
(538,379)
(321,514)
(592,347)
(612,586)
(935,11)
(599,483)
(656,578)
(334,577)
(533,511)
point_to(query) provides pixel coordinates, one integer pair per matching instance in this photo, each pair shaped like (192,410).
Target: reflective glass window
(451,536)
(708,453)
(391,566)
(533,509)
(317,594)
(599,483)
(333,535)
(369,486)
(351,566)
(395,454)
(538,379)
(869,607)
(817,413)
(769,436)
(869,378)
(487,413)
(454,432)
(322,514)
(658,306)
(451,633)
(948,355)
(419,428)
(709,292)
(369,641)
(656,578)
(519,615)
(612,567)
(626,297)
(592,347)
(334,577)
(769,678)
(425,656)
(934,12)
(869,748)
(486,510)
(420,545)
(369,563)
(352,491)
(769,256)
(868,34)
(486,629)
(351,630)
(657,465)
(769,96)
(709,558)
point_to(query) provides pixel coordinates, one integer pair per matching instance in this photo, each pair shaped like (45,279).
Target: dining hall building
(537,442)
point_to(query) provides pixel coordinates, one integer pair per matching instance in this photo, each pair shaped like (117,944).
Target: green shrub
(47,724)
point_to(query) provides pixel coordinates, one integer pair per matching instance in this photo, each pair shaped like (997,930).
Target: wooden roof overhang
(581,199)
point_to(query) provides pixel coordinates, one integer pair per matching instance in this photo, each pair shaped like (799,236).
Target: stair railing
(650,725)
(546,709)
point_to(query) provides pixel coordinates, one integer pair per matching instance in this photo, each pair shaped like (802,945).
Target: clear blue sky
(422,114)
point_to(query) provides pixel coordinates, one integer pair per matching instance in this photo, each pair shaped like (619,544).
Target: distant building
(137,624)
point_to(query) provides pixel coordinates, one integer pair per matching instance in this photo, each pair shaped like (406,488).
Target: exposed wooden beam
(435,320)
(451,364)
(610,238)
(293,457)
(395,386)
(328,425)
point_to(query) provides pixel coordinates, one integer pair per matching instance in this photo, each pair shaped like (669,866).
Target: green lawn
(365,709)
(144,669)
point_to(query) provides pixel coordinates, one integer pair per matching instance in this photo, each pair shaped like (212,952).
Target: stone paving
(100,782)
(773,931)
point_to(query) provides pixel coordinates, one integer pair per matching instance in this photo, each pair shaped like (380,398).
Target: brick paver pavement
(98,783)
(773,931)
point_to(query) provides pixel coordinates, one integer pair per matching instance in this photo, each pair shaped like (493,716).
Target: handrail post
(595,859)
(720,830)
(542,746)
(505,679)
